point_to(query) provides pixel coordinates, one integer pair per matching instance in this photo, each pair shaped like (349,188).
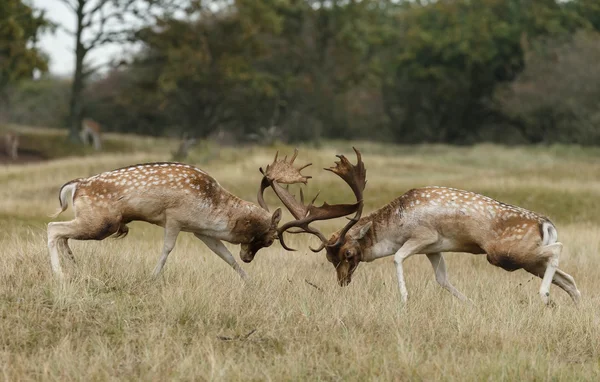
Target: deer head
(343,252)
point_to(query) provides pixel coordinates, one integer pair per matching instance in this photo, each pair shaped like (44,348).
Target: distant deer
(175,196)
(428,221)
(11,144)
(91,129)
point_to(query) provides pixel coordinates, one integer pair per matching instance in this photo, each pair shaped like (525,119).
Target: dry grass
(111,321)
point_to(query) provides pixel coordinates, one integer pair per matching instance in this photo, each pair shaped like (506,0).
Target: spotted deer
(429,221)
(175,196)
(11,145)
(91,129)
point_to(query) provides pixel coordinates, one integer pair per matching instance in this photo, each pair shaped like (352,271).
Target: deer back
(154,192)
(475,223)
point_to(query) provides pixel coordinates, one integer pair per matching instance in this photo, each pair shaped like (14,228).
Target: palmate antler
(284,172)
(356,177)
(281,171)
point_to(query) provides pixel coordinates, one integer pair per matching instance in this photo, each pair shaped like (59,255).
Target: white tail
(68,189)
(432,220)
(550,235)
(175,196)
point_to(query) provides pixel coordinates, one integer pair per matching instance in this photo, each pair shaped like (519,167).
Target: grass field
(112,321)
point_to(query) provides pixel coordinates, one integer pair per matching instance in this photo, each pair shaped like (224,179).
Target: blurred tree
(40,102)
(450,57)
(101,22)
(202,72)
(252,67)
(555,99)
(304,69)
(326,50)
(20,25)
(587,9)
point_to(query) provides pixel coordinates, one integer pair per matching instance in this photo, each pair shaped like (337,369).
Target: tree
(20,25)
(99,22)
(40,102)
(202,74)
(555,99)
(451,56)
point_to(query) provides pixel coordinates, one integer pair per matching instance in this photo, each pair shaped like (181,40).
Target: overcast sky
(60,45)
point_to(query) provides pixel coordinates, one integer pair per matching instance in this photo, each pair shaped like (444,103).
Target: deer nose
(247,257)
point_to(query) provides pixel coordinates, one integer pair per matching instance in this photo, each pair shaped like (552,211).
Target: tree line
(458,71)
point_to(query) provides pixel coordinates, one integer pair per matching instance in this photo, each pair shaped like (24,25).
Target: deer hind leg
(79,229)
(552,253)
(171,233)
(65,245)
(97,141)
(566,282)
(561,279)
(439,266)
(217,247)
(14,149)
(56,235)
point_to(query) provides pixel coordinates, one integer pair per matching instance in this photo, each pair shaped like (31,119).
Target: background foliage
(510,71)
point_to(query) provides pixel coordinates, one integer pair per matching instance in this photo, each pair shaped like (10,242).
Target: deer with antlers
(175,196)
(428,221)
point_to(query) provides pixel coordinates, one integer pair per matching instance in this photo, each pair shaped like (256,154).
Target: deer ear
(363,230)
(276,217)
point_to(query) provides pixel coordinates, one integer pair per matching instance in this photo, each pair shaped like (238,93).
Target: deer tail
(66,190)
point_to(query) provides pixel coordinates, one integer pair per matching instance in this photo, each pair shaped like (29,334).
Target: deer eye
(348,253)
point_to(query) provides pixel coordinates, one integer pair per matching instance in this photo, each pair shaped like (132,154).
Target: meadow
(199,321)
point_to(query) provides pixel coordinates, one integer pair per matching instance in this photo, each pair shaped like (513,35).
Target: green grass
(112,321)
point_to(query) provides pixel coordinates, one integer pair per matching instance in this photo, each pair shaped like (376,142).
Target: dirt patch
(25,156)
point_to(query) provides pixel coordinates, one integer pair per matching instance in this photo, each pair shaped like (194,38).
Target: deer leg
(171,234)
(219,248)
(97,142)
(561,279)
(55,235)
(567,283)
(410,247)
(552,252)
(65,244)
(441,276)
(80,229)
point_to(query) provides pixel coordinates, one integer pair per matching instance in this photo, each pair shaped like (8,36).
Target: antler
(281,171)
(306,214)
(354,176)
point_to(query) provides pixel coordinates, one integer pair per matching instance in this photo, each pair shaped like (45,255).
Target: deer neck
(247,221)
(385,236)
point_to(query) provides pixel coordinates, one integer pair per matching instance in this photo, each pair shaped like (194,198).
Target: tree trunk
(75,103)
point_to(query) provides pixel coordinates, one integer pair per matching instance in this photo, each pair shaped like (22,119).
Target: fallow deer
(175,196)
(91,128)
(11,145)
(429,221)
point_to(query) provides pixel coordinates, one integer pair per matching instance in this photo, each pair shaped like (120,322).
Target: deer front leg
(441,276)
(410,247)
(219,248)
(171,233)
